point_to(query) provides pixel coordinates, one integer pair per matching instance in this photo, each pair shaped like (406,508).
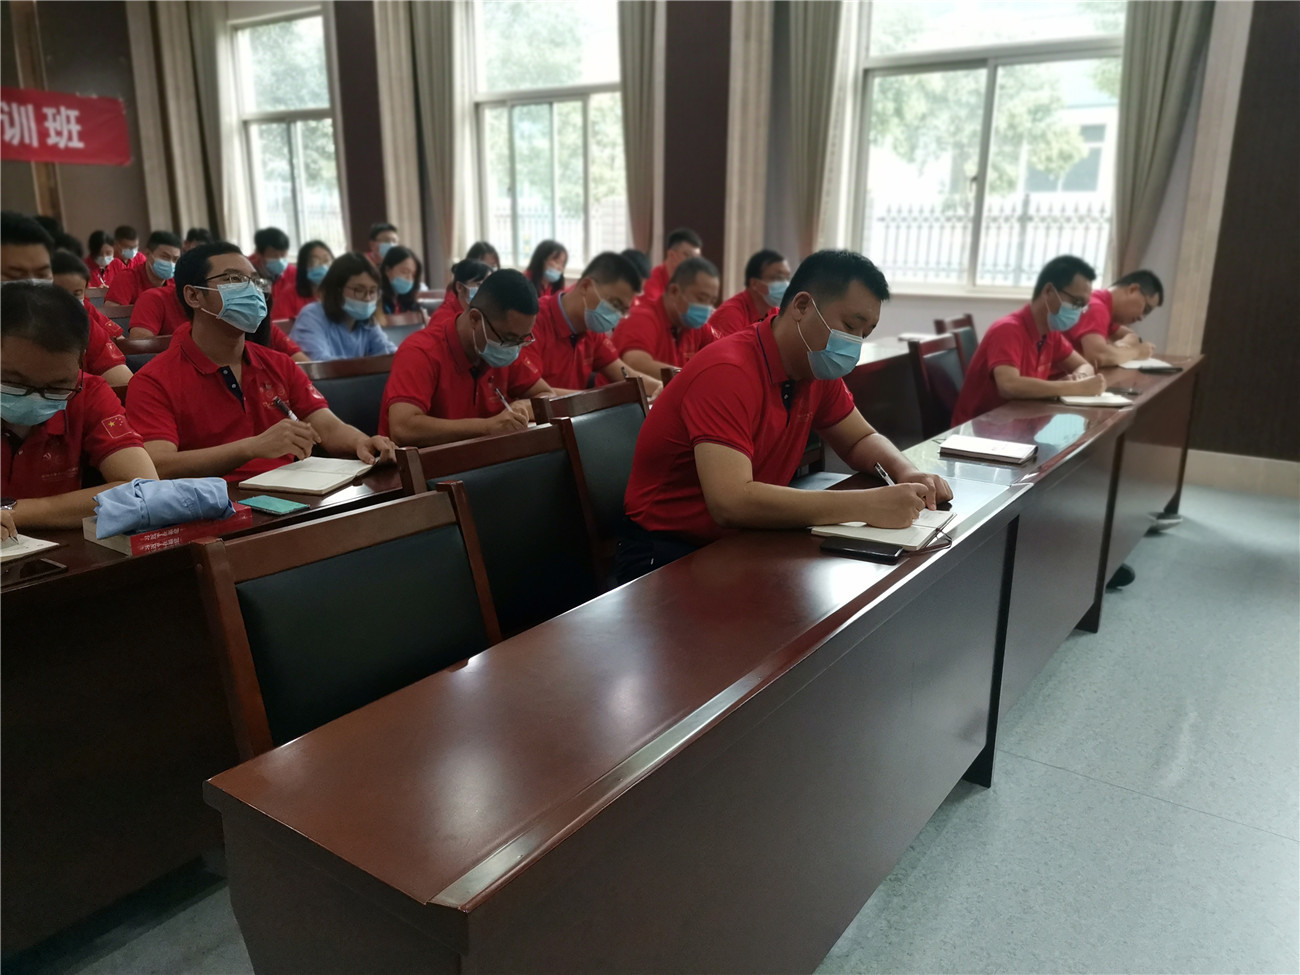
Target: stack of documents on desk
(983,448)
(315,475)
(1103,399)
(919,535)
(20,545)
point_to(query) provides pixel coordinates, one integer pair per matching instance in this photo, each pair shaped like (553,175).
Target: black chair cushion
(332,636)
(356,399)
(606,443)
(397,334)
(533,536)
(943,369)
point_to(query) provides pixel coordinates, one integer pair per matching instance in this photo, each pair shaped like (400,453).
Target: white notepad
(984,448)
(315,475)
(1104,399)
(1145,364)
(918,536)
(20,545)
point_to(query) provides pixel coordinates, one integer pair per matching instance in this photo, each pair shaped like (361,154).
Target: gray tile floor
(1144,816)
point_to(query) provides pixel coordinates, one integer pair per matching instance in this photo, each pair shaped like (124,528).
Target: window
(983,162)
(550,127)
(288,127)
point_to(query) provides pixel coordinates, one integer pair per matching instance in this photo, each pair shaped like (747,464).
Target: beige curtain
(1162,44)
(641,72)
(397,117)
(815,52)
(180,99)
(444,62)
(749,106)
(213,73)
(148,104)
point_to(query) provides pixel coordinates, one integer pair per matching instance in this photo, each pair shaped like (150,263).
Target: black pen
(884,475)
(283,407)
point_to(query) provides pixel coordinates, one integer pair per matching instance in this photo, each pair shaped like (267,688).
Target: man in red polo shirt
(682,244)
(722,443)
(572,330)
(1103,336)
(215,404)
(1019,352)
(767,275)
(162,252)
(270,255)
(103,357)
(126,253)
(157,311)
(471,376)
(56,419)
(666,332)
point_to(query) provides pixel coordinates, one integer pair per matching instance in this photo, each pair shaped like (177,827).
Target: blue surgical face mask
(696,315)
(360,310)
(553,274)
(128,253)
(839,357)
(317,274)
(495,354)
(102,261)
(384,247)
(164,269)
(775,292)
(1065,319)
(402,285)
(276,266)
(603,318)
(470,292)
(242,305)
(28,411)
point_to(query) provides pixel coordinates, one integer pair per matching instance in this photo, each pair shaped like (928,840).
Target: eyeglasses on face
(59,394)
(238,277)
(509,341)
(362,294)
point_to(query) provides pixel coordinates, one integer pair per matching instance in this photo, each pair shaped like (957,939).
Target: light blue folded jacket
(146,504)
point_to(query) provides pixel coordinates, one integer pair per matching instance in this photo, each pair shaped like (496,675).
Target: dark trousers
(641,551)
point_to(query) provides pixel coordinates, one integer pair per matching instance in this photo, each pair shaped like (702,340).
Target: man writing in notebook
(1019,352)
(666,332)
(216,404)
(471,376)
(726,435)
(1102,335)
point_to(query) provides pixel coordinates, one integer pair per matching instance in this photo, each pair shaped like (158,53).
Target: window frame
(247,117)
(990,58)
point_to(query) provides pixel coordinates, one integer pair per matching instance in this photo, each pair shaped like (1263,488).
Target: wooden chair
(667,372)
(354,388)
(529,497)
(285,325)
(96,296)
(403,324)
(937,374)
(140,351)
(318,619)
(963,326)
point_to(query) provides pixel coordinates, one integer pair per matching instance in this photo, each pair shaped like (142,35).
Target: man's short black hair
(1060,271)
(199,235)
(683,235)
(44,314)
(23,231)
(505,291)
(640,260)
(270,238)
(162,238)
(51,225)
(378,228)
(194,267)
(692,268)
(125,232)
(608,267)
(759,263)
(66,262)
(826,275)
(1146,281)
(71,244)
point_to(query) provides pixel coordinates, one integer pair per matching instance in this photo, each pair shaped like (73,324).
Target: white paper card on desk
(1145,364)
(315,475)
(983,448)
(919,535)
(1103,399)
(20,545)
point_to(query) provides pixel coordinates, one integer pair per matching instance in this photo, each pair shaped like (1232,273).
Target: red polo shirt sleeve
(125,287)
(106,429)
(1095,320)
(640,330)
(97,317)
(721,407)
(102,353)
(836,403)
(732,315)
(149,408)
(523,374)
(603,352)
(281,342)
(415,375)
(1059,346)
(1003,347)
(304,398)
(151,311)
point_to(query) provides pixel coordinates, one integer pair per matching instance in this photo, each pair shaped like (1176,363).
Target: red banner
(50,126)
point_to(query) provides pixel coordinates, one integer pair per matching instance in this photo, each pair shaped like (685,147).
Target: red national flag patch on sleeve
(115,426)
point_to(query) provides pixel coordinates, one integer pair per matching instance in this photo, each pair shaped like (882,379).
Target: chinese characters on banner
(50,126)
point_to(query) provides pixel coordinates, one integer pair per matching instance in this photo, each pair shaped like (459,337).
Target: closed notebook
(1146,364)
(20,545)
(918,536)
(1104,399)
(315,475)
(982,448)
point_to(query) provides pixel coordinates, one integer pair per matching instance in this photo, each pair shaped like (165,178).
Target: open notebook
(1155,365)
(918,536)
(1104,399)
(315,475)
(20,545)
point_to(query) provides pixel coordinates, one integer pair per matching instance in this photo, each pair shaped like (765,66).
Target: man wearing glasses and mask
(471,376)
(215,404)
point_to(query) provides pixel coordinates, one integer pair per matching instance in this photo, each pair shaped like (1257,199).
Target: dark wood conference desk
(708,769)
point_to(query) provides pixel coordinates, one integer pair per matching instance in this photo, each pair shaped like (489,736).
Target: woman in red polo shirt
(98,258)
(299,286)
(56,419)
(466,277)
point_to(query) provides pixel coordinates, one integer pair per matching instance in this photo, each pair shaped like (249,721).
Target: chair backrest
(606,422)
(321,618)
(354,388)
(937,374)
(140,351)
(403,324)
(121,314)
(963,326)
(667,372)
(96,296)
(285,325)
(529,498)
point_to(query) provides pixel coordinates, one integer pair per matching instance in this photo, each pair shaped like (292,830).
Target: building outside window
(550,127)
(988,138)
(287,122)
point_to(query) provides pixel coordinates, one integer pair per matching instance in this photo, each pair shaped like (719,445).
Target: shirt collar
(776,374)
(559,303)
(197,357)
